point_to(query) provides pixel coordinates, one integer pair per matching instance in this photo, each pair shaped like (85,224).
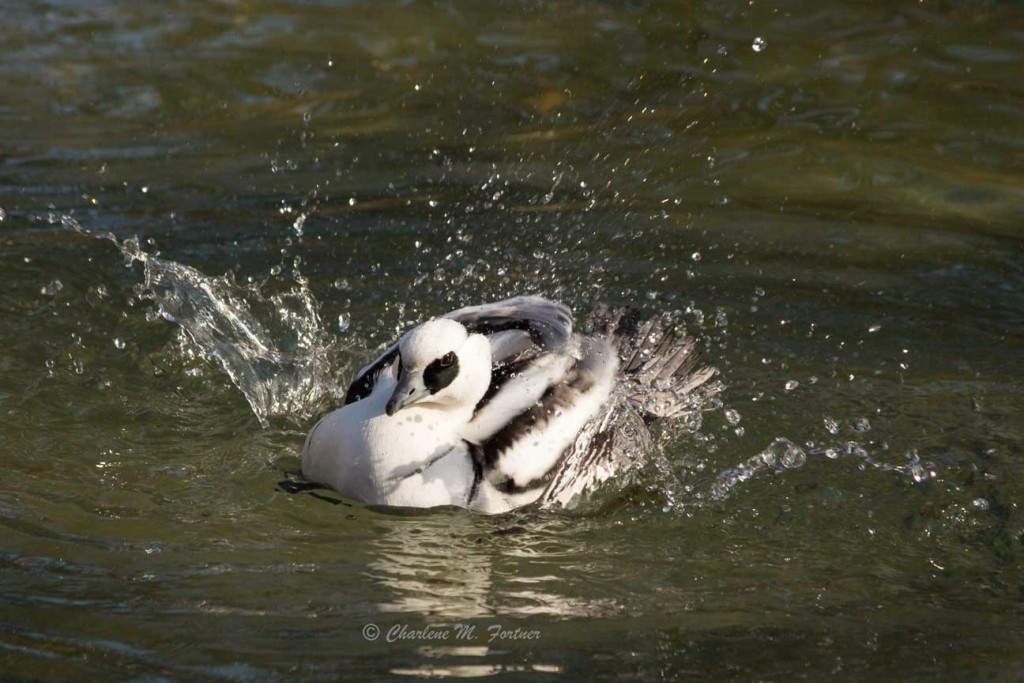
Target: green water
(832,195)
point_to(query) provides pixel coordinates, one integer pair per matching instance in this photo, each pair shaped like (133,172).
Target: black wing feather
(362,385)
(548,323)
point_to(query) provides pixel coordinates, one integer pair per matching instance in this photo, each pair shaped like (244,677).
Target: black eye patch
(441,372)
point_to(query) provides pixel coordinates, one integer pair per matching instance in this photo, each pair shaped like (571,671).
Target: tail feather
(659,362)
(660,379)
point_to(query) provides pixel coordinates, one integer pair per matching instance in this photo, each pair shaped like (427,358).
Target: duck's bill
(410,389)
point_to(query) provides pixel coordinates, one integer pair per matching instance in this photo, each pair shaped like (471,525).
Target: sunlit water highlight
(828,194)
(275,351)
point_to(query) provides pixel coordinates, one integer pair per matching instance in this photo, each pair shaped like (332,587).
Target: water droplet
(915,468)
(784,452)
(759,291)
(351,201)
(862,425)
(980,503)
(343,323)
(854,448)
(145,189)
(831,425)
(3,215)
(758,45)
(794,457)
(119,344)
(733,417)
(52,288)
(341,284)
(791,385)
(695,256)
(874,328)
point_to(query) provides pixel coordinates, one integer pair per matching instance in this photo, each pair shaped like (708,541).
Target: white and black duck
(497,406)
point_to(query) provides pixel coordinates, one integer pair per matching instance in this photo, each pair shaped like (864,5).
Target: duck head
(441,365)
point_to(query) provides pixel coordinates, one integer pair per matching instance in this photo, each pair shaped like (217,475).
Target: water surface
(829,194)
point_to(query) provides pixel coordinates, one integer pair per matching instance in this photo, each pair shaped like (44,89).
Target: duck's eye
(441,372)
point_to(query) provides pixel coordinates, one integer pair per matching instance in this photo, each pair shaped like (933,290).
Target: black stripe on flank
(499,377)
(476,457)
(575,383)
(508,486)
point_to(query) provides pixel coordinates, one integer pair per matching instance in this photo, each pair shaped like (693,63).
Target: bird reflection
(453,565)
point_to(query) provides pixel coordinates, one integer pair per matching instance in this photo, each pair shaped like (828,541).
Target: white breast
(413,458)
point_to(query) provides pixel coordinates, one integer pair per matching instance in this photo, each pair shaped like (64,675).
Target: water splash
(780,453)
(273,347)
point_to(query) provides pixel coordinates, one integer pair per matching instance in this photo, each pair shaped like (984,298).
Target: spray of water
(276,351)
(273,347)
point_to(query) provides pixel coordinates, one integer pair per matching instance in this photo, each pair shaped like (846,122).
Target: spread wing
(517,328)
(548,324)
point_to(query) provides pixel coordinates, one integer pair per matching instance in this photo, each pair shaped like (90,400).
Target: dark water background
(831,194)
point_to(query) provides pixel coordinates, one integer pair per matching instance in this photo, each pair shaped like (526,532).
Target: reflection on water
(829,193)
(444,566)
(430,568)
